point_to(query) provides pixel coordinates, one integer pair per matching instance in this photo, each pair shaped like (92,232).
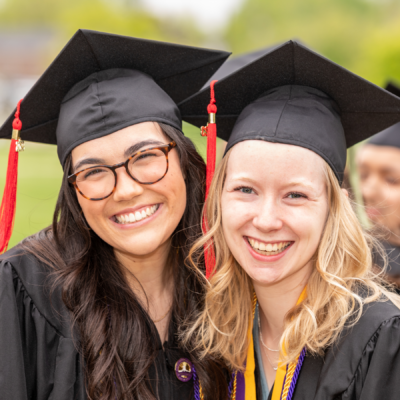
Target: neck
(276,300)
(149,276)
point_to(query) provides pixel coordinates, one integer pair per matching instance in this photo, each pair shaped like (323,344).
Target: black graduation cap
(390,136)
(295,96)
(393,88)
(235,63)
(101,83)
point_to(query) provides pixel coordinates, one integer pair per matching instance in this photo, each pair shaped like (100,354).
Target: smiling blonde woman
(293,305)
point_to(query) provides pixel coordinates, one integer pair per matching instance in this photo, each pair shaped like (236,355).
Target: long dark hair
(116,337)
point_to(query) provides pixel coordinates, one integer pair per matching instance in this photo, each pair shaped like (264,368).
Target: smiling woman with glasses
(95,302)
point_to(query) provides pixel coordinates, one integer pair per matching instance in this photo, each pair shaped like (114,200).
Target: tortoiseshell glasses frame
(165,149)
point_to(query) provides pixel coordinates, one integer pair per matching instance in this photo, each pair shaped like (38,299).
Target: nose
(126,188)
(268,216)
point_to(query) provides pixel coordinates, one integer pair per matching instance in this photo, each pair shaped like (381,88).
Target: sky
(204,12)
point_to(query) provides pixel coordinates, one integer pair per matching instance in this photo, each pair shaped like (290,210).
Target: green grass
(39,181)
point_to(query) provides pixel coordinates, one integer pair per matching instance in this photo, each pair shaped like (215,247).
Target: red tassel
(211,132)
(8,204)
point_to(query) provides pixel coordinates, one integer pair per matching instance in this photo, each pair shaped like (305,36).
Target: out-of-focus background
(361,35)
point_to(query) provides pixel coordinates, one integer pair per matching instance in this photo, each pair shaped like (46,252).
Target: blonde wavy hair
(342,282)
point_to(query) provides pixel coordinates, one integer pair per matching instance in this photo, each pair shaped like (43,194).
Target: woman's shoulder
(358,362)
(30,284)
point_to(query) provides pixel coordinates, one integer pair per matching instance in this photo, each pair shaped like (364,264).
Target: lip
(372,212)
(138,223)
(263,258)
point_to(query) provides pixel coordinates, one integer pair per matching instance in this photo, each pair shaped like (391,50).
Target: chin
(140,248)
(264,275)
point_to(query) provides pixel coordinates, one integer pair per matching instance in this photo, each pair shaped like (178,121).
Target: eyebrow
(290,183)
(388,170)
(128,152)
(136,147)
(299,183)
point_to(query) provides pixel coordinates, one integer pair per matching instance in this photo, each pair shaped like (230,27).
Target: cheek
(91,210)
(235,215)
(393,196)
(173,189)
(308,226)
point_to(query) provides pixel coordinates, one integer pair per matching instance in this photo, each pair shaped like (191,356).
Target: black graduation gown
(39,359)
(363,365)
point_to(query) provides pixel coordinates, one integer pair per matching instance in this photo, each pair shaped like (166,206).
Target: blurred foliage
(361,35)
(124,17)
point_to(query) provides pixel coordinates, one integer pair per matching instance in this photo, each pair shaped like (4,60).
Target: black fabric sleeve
(36,362)
(377,376)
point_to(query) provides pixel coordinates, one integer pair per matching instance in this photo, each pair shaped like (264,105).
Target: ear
(345,192)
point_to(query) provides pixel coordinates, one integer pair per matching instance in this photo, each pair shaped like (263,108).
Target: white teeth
(273,249)
(137,216)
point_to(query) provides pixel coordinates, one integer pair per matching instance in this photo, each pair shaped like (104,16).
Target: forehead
(258,159)
(116,143)
(379,156)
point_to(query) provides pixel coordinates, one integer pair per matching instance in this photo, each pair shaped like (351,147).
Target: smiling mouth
(130,218)
(268,249)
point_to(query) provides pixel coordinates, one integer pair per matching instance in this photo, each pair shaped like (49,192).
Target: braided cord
(232,387)
(198,390)
(288,378)
(254,303)
(292,376)
(296,374)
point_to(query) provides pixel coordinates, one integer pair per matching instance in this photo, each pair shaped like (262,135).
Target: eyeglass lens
(147,167)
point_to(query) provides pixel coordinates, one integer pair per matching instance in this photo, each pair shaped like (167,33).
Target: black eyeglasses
(146,167)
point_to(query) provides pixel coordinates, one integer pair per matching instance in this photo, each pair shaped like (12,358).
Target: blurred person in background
(90,307)
(378,164)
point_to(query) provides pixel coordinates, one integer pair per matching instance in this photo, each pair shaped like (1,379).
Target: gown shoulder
(364,364)
(39,354)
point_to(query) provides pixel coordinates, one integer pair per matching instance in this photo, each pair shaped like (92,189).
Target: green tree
(360,35)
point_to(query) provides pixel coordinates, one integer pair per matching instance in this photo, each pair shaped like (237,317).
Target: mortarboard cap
(235,63)
(295,96)
(393,88)
(101,83)
(390,136)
